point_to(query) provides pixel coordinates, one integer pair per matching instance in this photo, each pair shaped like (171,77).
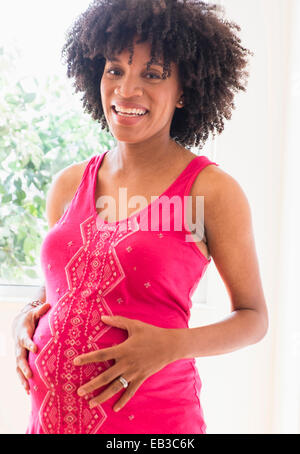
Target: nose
(128,88)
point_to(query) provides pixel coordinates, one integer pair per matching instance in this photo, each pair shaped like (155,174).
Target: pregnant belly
(55,380)
(74,327)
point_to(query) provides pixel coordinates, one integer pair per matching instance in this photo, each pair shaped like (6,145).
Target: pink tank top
(93,268)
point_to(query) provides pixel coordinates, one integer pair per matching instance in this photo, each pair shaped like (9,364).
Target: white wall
(238,388)
(14,402)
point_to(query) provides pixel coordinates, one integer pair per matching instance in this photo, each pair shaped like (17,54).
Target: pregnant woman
(110,348)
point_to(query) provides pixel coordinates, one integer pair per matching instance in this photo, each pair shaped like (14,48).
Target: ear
(180,102)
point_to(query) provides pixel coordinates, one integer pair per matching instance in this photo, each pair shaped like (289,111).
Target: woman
(160,76)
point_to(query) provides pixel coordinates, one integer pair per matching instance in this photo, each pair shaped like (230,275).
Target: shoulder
(227,212)
(71,174)
(218,186)
(62,190)
(221,191)
(68,179)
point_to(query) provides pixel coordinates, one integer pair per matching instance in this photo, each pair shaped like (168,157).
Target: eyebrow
(155,62)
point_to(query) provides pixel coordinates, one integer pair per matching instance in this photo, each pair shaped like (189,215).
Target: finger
(125,398)
(23,365)
(115,387)
(22,362)
(41,310)
(103,379)
(118,321)
(27,343)
(23,380)
(97,356)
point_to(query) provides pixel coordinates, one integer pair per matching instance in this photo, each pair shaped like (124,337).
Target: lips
(127,120)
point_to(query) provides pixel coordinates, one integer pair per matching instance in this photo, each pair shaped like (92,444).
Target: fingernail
(81,392)
(93,404)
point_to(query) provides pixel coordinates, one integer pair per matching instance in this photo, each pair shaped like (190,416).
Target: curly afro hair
(193,34)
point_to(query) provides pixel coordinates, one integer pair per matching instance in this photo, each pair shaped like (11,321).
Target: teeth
(122,110)
(128,115)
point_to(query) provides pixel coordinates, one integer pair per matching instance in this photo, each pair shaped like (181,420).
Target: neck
(128,159)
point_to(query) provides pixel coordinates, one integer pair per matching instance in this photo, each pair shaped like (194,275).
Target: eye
(110,70)
(117,74)
(154,75)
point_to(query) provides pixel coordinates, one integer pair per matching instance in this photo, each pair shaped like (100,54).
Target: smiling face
(125,86)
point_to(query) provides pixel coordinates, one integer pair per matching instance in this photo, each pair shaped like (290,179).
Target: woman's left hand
(147,350)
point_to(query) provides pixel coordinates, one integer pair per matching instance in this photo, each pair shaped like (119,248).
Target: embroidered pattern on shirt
(75,324)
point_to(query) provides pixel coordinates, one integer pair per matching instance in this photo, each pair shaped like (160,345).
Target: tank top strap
(181,188)
(183,183)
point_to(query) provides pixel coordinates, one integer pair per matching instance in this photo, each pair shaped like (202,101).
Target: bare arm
(231,243)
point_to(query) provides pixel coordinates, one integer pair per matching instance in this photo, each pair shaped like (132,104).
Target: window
(43,128)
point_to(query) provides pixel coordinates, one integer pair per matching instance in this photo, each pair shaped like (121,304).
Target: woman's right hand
(23,330)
